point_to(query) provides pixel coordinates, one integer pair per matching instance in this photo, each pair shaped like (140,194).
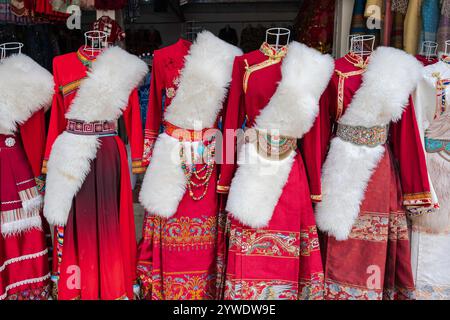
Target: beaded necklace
(190,170)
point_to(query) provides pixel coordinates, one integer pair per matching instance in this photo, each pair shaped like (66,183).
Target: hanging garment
(273,250)
(315,24)
(430,20)
(443,33)
(430,238)
(88,194)
(25,89)
(110,27)
(178,193)
(375,167)
(412,28)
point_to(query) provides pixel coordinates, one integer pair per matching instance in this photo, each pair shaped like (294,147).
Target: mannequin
(429,50)
(10,48)
(447,47)
(362,45)
(279,37)
(26,90)
(95,42)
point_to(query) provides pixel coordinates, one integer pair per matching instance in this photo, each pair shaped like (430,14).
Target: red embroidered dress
(371,261)
(281,260)
(25,89)
(95,246)
(176,257)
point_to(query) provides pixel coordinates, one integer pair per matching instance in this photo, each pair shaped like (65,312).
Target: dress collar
(85,58)
(273,53)
(357,60)
(445,59)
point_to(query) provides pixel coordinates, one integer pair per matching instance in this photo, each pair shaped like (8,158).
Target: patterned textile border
(260,290)
(425,291)
(378,227)
(182,233)
(338,291)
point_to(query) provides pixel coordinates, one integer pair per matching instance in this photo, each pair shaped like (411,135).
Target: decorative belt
(274,147)
(438,146)
(8,141)
(188,134)
(362,136)
(97,128)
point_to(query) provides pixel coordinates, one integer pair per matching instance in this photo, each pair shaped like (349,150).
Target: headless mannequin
(10,48)
(429,50)
(447,48)
(95,42)
(362,45)
(278,37)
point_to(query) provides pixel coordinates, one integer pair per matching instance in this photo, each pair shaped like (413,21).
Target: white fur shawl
(102,96)
(199,99)
(25,87)
(259,182)
(387,84)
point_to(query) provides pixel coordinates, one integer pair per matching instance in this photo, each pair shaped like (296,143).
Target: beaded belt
(274,147)
(97,128)
(362,136)
(438,146)
(188,134)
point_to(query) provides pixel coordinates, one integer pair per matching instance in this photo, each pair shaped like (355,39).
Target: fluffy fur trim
(203,83)
(345,176)
(25,87)
(391,77)
(295,104)
(259,182)
(164,183)
(104,94)
(23,225)
(33,205)
(68,166)
(257,186)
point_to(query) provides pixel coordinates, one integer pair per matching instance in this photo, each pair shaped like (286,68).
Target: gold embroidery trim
(275,56)
(222,189)
(316,197)
(341,86)
(70,87)
(417,196)
(44,167)
(137,167)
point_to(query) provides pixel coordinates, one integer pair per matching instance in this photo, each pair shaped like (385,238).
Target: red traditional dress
(177,254)
(273,248)
(25,89)
(374,170)
(88,193)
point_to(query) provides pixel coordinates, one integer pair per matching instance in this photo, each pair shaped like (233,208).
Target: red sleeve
(58,120)
(133,125)
(32,133)
(326,119)
(154,111)
(311,152)
(234,118)
(409,154)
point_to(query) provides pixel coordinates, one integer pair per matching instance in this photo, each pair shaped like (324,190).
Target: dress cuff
(44,167)
(316,197)
(223,189)
(417,199)
(137,167)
